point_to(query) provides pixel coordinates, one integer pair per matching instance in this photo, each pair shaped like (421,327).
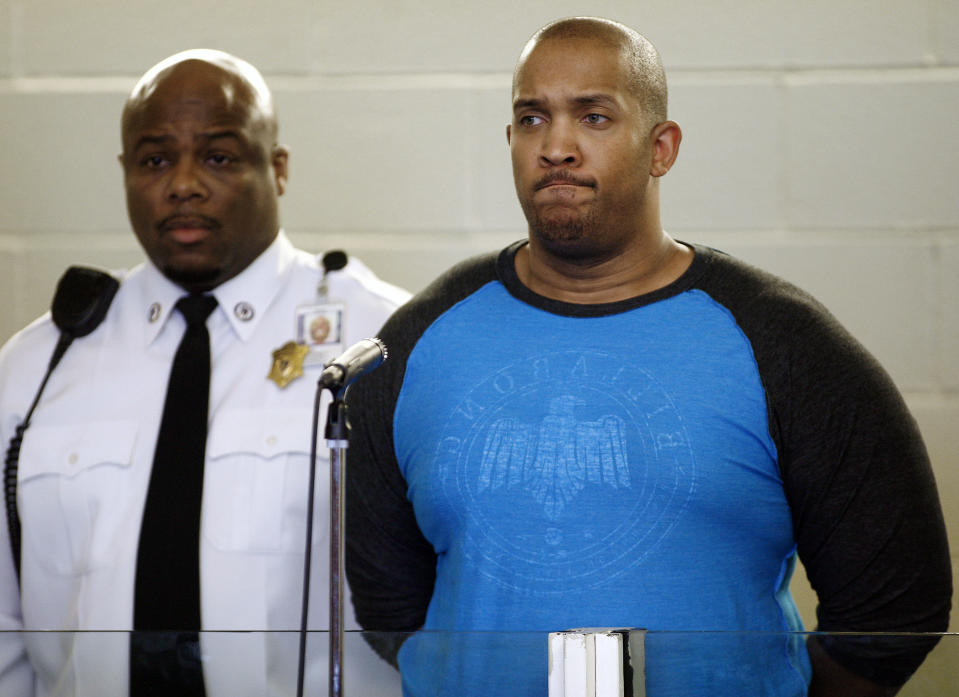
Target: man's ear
(665,138)
(509,132)
(281,163)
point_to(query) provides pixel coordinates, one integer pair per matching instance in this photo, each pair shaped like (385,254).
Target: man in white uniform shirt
(203,172)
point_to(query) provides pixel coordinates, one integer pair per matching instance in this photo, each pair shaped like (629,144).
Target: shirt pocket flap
(265,433)
(68,450)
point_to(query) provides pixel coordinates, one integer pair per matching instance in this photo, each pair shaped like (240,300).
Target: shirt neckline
(506,272)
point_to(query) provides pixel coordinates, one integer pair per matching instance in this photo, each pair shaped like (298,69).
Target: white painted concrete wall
(821,141)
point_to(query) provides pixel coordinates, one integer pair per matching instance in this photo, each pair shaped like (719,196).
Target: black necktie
(164,653)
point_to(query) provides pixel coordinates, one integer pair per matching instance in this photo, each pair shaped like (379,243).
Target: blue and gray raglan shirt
(521,465)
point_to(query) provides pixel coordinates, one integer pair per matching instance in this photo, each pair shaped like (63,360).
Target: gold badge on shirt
(288,363)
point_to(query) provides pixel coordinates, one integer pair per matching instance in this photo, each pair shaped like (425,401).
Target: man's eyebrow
(148,140)
(216,135)
(598,98)
(163,138)
(530,103)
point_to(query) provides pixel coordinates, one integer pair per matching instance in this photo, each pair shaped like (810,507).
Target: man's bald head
(241,85)
(202,167)
(647,79)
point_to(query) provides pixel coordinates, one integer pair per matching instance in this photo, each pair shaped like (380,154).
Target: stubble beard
(192,276)
(194,279)
(569,235)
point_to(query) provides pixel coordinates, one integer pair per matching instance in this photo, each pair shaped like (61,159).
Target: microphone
(357,360)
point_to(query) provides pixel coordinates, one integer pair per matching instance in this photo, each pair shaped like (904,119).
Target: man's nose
(560,145)
(186,182)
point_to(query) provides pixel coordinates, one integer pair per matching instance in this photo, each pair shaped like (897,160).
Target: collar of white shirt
(243,300)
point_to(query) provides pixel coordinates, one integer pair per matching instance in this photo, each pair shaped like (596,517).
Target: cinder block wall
(821,141)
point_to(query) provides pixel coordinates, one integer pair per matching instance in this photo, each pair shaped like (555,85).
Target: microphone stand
(337,439)
(337,376)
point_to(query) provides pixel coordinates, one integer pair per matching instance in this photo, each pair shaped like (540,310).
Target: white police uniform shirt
(85,467)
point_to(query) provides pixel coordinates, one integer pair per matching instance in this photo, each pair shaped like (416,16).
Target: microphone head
(82,299)
(360,358)
(334,260)
(383,350)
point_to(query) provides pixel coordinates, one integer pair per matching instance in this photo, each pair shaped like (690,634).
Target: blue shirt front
(571,471)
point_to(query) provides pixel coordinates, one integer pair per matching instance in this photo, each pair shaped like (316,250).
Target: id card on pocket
(320,326)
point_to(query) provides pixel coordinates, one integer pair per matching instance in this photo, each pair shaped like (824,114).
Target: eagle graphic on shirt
(554,459)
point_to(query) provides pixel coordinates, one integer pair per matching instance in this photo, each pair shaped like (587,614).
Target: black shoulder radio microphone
(80,303)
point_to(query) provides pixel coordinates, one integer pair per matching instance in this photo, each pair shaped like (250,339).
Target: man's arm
(16,673)
(830,679)
(390,566)
(866,513)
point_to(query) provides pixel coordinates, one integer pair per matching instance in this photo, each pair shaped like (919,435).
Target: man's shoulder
(36,340)
(750,292)
(446,290)
(791,333)
(23,361)
(352,282)
(409,322)
(358,275)
(406,327)
(454,284)
(27,342)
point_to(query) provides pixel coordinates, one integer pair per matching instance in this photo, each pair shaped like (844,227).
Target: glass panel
(241,664)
